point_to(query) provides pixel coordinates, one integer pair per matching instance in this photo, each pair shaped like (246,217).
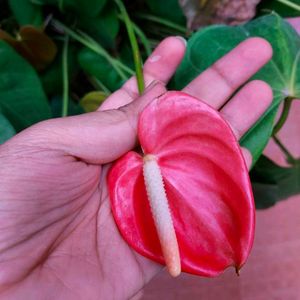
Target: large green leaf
(272,183)
(6,129)
(103,27)
(282,72)
(22,99)
(26,12)
(95,65)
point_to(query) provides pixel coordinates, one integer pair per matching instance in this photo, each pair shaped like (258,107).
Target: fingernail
(181,39)
(154,58)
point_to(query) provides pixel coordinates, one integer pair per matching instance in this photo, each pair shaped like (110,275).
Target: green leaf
(168,9)
(80,7)
(33,44)
(22,99)
(90,8)
(6,129)
(282,72)
(91,101)
(272,183)
(126,54)
(26,12)
(103,27)
(95,65)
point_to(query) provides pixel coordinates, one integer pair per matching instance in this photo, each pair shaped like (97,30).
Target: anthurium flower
(186,201)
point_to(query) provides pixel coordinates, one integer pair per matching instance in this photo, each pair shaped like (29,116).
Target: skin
(58,239)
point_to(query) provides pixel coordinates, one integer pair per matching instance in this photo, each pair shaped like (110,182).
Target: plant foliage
(62,57)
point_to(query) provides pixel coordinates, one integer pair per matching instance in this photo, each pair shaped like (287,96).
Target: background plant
(64,57)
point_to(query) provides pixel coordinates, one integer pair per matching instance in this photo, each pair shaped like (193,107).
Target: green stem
(134,45)
(294,74)
(65,75)
(94,46)
(290,4)
(142,37)
(284,114)
(289,157)
(162,21)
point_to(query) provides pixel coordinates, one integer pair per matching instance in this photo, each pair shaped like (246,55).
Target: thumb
(98,137)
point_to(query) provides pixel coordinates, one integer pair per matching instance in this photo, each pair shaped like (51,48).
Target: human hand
(58,237)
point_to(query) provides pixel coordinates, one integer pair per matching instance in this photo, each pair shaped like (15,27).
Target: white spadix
(161,214)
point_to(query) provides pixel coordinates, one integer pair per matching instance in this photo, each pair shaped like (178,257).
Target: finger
(247,106)
(162,63)
(79,136)
(160,66)
(247,156)
(295,22)
(217,83)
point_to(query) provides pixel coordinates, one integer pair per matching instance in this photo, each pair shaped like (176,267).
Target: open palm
(58,239)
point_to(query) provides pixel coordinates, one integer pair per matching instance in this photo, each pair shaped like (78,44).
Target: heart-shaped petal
(206,182)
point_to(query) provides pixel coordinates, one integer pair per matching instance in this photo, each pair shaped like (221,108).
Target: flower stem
(141,35)
(65,75)
(289,157)
(134,45)
(285,112)
(143,39)
(290,4)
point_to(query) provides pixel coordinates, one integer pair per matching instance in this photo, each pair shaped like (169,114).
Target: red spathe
(207,185)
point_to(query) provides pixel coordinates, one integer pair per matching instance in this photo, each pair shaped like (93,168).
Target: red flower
(206,183)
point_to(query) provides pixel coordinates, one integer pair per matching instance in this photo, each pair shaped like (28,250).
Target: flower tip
(237,270)
(174,270)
